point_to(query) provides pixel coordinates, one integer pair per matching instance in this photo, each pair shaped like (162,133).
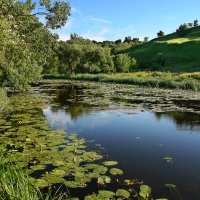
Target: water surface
(138,139)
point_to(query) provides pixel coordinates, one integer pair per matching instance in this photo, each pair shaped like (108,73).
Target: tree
(26,44)
(127,39)
(190,25)
(146,39)
(122,63)
(160,34)
(97,60)
(70,56)
(118,41)
(181,31)
(136,40)
(196,23)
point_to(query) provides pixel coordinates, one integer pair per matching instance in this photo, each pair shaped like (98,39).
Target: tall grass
(15,185)
(3,98)
(186,81)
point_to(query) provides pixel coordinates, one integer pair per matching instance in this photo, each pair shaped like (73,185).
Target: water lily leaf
(110,163)
(123,193)
(93,175)
(107,179)
(116,171)
(93,197)
(169,159)
(162,199)
(72,184)
(100,180)
(145,191)
(101,170)
(38,167)
(82,180)
(52,179)
(58,172)
(106,194)
(170,186)
(129,182)
(91,166)
(41,183)
(73,137)
(78,174)
(91,156)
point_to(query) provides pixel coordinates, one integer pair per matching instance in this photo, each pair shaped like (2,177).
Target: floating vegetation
(145,191)
(116,171)
(169,159)
(110,163)
(58,159)
(51,157)
(112,97)
(123,193)
(170,186)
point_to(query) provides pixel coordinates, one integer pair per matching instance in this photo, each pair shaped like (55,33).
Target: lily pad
(58,172)
(106,194)
(168,159)
(110,163)
(123,193)
(41,183)
(145,191)
(103,180)
(170,186)
(116,171)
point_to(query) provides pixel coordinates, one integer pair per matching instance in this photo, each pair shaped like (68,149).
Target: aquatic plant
(47,158)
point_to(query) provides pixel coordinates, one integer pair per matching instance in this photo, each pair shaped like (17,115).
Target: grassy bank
(15,185)
(186,81)
(169,53)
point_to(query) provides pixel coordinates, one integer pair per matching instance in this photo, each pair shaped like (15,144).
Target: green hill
(170,52)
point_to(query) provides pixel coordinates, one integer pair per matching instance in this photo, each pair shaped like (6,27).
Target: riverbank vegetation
(186,81)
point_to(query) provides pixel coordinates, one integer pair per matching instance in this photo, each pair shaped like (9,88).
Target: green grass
(180,54)
(15,185)
(186,81)
(3,98)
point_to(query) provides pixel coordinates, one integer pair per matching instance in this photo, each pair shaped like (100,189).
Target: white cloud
(100,36)
(64,37)
(99,20)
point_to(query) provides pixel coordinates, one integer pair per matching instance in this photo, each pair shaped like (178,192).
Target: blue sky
(114,19)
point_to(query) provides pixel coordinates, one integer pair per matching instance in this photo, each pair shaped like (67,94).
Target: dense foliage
(26,43)
(79,55)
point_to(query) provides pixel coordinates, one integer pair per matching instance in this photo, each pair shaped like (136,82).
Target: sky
(115,19)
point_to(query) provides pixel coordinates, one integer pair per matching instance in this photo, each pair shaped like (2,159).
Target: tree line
(28,48)
(79,55)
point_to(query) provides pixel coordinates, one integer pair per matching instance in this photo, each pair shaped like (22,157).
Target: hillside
(170,52)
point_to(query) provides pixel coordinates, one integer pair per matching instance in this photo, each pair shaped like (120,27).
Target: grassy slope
(180,54)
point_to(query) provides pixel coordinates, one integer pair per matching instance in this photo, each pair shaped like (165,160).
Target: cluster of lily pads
(55,157)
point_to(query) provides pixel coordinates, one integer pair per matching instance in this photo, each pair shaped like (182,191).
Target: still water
(157,148)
